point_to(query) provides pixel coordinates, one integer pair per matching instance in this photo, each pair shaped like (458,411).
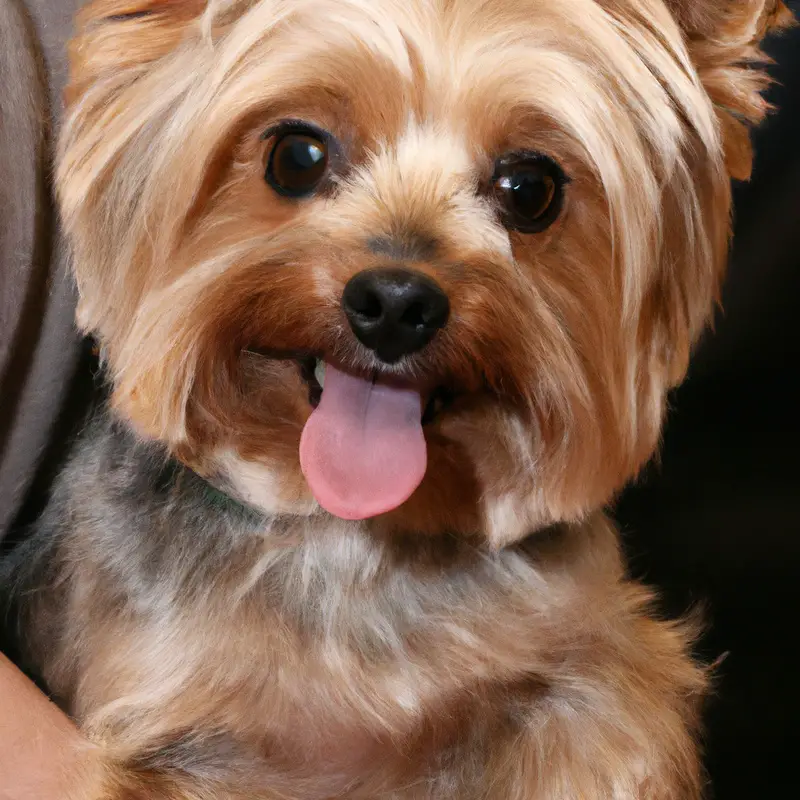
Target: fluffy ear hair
(114,36)
(724,39)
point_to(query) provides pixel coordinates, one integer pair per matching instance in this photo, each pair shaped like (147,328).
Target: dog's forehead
(481,68)
(437,54)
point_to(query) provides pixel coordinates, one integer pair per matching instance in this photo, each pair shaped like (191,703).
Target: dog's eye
(297,163)
(530,190)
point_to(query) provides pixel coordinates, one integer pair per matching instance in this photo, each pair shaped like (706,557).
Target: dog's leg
(114,781)
(619,722)
(195,764)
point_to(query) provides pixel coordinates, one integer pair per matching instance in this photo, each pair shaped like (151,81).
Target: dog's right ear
(724,41)
(115,36)
(730,22)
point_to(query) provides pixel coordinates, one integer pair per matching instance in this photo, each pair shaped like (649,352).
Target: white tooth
(319,372)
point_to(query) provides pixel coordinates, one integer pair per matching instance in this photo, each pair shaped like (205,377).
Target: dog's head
(498,225)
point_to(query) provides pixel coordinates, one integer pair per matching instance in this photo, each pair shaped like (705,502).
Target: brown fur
(531,670)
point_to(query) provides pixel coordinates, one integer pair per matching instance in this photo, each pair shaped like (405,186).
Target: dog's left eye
(529,187)
(298,162)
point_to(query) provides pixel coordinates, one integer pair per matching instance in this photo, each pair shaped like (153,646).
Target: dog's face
(499,225)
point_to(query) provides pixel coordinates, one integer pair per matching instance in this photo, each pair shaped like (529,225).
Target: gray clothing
(39,346)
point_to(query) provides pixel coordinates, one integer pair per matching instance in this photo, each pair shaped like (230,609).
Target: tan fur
(538,674)
(546,677)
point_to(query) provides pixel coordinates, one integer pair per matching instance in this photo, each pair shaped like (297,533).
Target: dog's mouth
(312,371)
(363,450)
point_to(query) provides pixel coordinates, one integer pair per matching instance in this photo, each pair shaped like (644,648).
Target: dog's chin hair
(258,485)
(441,649)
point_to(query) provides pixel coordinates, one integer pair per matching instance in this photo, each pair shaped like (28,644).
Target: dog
(389,295)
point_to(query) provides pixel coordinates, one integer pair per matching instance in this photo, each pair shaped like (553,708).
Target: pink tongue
(362,450)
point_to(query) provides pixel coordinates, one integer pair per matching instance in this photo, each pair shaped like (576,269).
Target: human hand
(42,754)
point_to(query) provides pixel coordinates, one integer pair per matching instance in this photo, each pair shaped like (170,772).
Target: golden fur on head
(564,344)
(312,658)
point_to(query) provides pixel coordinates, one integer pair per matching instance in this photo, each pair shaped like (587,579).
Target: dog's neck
(320,571)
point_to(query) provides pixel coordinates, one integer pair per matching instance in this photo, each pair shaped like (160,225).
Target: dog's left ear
(724,40)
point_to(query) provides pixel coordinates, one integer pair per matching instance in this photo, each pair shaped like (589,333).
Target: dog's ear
(718,19)
(724,40)
(114,36)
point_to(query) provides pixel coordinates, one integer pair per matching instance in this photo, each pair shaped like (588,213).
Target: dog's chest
(312,706)
(324,651)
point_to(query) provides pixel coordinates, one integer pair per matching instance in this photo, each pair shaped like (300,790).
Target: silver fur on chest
(319,654)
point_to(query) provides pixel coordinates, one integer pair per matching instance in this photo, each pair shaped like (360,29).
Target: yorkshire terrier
(390,294)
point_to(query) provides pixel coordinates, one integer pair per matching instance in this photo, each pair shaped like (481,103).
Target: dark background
(717,522)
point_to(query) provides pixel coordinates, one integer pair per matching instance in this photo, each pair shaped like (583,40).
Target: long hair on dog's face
(557,171)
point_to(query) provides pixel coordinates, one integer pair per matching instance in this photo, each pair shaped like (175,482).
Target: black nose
(394,311)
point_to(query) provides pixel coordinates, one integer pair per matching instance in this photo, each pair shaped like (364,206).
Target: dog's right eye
(529,188)
(298,162)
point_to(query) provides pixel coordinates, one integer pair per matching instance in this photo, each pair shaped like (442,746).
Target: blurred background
(717,521)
